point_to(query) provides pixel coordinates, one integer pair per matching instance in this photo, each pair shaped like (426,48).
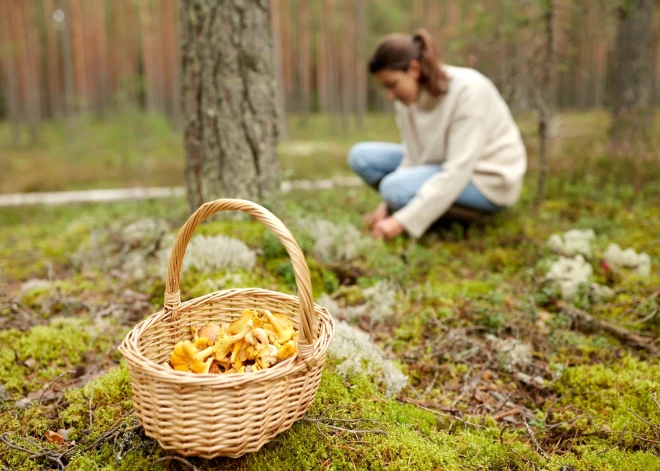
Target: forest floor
(501,372)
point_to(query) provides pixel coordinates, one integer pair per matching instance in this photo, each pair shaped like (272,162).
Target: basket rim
(130,348)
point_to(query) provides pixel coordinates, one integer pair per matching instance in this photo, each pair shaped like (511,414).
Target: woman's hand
(387,228)
(378,215)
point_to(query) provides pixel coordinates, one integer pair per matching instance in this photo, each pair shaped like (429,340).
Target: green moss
(611,394)
(54,348)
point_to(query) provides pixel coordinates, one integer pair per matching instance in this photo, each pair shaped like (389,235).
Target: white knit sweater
(471,133)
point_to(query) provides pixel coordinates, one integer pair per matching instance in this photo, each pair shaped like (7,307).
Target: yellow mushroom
(258,338)
(187,357)
(251,352)
(200,342)
(284,330)
(235,350)
(225,344)
(286,350)
(267,357)
(247,316)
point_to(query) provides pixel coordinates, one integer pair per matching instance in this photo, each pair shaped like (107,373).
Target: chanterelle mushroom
(286,350)
(267,357)
(239,324)
(187,357)
(258,338)
(225,344)
(284,330)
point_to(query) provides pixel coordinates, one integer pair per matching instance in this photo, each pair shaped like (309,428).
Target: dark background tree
(632,78)
(229,100)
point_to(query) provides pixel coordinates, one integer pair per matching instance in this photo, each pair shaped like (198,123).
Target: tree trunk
(546,102)
(67,57)
(31,58)
(10,72)
(279,75)
(347,66)
(305,58)
(632,77)
(361,83)
(54,77)
(229,100)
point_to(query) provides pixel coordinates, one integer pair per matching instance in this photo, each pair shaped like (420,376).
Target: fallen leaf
(54,437)
(30,363)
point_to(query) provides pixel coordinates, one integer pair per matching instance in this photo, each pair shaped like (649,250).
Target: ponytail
(396,51)
(431,76)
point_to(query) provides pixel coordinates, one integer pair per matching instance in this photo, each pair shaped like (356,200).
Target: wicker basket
(210,415)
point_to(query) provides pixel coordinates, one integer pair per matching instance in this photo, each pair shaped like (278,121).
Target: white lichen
(359,355)
(639,263)
(332,242)
(36,285)
(573,242)
(379,305)
(212,253)
(568,275)
(143,231)
(513,354)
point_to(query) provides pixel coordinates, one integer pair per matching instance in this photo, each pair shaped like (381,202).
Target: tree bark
(54,77)
(67,57)
(31,58)
(547,100)
(361,83)
(10,73)
(228,100)
(277,63)
(305,58)
(632,82)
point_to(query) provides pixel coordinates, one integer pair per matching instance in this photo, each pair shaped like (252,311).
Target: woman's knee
(393,191)
(357,156)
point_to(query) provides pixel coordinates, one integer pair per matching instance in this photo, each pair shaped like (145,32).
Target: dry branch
(587,322)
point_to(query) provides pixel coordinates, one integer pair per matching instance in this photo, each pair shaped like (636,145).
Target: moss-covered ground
(582,400)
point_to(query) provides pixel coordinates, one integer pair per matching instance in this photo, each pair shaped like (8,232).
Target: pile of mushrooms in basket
(257,340)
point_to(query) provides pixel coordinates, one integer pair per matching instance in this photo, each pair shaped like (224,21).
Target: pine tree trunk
(277,63)
(347,74)
(305,58)
(10,72)
(361,83)
(67,58)
(547,100)
(31,58)
(632,78)
(54,77)
(229,100)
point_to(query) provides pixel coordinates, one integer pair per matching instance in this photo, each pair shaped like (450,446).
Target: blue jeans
(376,163)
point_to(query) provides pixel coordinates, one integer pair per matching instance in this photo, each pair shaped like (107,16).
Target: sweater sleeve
(465,144)
(398,118)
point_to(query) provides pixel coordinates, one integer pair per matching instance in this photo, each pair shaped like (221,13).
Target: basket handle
(261,214)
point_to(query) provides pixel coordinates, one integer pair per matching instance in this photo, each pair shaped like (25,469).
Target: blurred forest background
(66,59)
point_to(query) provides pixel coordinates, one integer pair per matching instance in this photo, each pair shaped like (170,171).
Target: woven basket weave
(210,415)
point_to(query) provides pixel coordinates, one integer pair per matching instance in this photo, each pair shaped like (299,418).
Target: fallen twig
(53,381)
(91,415)
(507,413)
(587,321)
(320,420)
(530,432)
(175,458)
(34,455)
(652,425)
